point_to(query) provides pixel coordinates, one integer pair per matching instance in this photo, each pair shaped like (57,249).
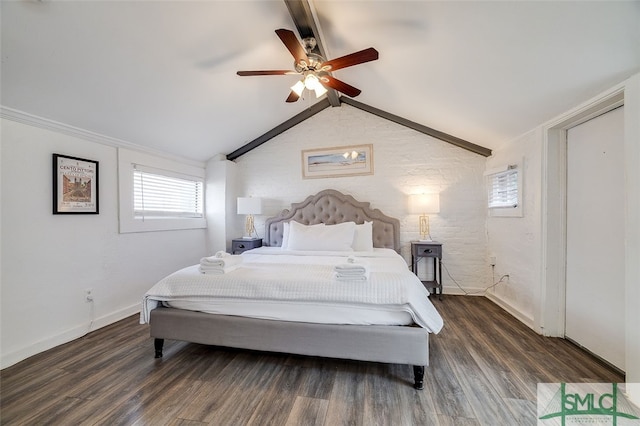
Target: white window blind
(503,189)
(163,194)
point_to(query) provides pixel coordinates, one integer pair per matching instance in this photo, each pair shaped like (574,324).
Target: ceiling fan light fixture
(320,90)
(311,81)
(298,88)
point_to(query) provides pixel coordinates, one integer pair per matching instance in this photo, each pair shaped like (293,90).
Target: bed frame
(388,344)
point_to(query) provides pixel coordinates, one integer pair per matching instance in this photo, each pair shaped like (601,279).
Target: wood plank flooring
(484,369)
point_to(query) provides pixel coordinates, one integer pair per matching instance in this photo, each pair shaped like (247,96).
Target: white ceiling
(162,74)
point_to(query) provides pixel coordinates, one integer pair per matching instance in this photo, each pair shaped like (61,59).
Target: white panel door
(595,237)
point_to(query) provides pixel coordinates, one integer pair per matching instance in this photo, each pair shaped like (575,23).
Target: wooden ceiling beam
(461,143)
(280,128)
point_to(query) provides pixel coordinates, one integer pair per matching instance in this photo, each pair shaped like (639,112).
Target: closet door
(595,306)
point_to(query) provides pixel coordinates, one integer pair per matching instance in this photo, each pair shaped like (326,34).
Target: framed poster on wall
(75,185)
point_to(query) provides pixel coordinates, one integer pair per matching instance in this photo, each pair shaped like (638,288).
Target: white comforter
(302,278)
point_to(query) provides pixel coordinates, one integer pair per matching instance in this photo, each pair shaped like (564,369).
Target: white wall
(515,241)
(49,260)
(220,202)
(405,162)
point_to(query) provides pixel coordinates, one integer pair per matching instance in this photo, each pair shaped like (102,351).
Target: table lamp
(249,206)
(422,204)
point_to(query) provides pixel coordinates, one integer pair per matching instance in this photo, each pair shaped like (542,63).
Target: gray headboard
(331,207)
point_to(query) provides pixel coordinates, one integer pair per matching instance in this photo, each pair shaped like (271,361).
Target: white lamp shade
(249,205)
(298,88)
(424,203)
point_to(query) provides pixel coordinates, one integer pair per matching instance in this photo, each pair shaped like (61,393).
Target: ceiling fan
(314,68)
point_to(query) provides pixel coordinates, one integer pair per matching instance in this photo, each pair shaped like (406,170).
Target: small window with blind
(162,194)
(157,194)
(504,191)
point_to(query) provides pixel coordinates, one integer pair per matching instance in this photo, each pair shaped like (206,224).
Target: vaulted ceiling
(163,74)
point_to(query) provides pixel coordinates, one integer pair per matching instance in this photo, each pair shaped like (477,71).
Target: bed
(398,338)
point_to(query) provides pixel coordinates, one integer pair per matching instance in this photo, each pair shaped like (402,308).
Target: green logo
(582,403)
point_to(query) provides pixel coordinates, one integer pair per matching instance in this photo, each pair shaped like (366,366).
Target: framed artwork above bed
(337,161)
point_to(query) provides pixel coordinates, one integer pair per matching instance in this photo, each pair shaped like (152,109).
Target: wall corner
(220,191)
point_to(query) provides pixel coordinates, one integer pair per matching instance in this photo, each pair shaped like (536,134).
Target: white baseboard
(115,316)
(525,319)
(457,291)
(14,357)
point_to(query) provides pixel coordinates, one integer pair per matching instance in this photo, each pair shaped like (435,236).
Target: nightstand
(428,249)
(243,244)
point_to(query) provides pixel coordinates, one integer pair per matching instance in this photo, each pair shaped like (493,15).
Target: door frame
(550,319)
(549,312)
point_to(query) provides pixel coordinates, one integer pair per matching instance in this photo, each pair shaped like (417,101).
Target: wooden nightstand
(426,249)
(243,244)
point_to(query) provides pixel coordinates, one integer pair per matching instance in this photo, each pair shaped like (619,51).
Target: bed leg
(158,343)
(418,376)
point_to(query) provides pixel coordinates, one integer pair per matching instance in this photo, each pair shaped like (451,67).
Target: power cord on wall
(471,293)
(92,314)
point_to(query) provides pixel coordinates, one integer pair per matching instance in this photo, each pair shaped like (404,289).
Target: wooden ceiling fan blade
(291,42)
(340,86)
(267,72)
(293,96)
(355,58)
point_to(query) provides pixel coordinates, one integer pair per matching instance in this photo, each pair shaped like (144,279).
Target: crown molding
(66,129)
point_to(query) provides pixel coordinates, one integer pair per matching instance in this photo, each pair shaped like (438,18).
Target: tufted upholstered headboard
(331,207)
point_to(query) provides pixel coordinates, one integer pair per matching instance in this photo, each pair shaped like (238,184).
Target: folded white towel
(342,277)
(353,270)
(221,261)
(217,270)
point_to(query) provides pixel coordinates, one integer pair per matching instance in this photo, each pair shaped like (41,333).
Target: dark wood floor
(484,369)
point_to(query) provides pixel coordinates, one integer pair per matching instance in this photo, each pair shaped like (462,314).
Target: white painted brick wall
(405,162)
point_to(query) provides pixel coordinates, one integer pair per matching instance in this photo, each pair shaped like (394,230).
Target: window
(504,191)
(158,194)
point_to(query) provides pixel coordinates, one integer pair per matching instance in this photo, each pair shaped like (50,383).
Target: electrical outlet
(88,295)
(492,260)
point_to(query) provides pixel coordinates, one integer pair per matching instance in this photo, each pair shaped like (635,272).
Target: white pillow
(322,238)
(285,236)
(363,238)
(285,233)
